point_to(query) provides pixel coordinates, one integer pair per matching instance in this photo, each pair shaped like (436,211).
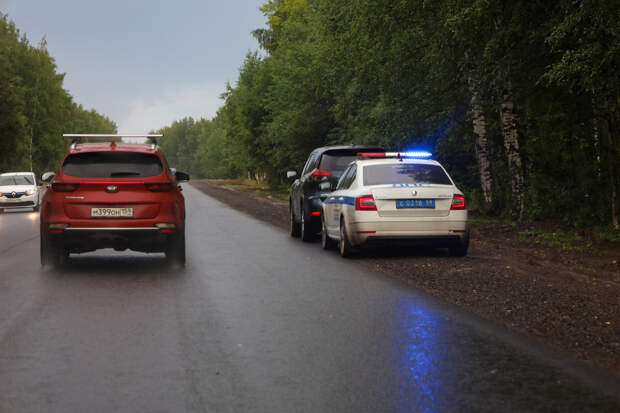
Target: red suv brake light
(64,187)
(458,202)
(365,203)
(319,173)
(159,187)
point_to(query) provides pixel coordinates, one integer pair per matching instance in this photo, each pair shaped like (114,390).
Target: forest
(35,109)
(518,99)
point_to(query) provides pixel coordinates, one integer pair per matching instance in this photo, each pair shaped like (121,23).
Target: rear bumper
(440,233)
(145,239)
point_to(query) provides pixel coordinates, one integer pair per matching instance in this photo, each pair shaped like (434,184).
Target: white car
(18,190)
(395,198)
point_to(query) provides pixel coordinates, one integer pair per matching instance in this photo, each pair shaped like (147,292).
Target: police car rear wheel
(326,242)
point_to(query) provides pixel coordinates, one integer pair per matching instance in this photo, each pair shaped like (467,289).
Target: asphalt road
(256,322)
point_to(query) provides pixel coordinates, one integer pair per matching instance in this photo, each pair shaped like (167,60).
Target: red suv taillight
(365,203)
(64,187)
(319,173)
(458,202)
(159,187)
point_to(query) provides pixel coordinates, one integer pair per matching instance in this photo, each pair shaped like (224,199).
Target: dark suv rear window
(337,160)
(112,165)
(397,173)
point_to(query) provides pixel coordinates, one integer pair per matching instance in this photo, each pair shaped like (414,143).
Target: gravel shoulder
(567,298)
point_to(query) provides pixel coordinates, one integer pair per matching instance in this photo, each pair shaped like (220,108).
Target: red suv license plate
(111,212)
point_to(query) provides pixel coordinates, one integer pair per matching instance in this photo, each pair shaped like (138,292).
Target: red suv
(113,195)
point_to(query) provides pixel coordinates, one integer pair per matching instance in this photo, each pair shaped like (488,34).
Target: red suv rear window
(112,165)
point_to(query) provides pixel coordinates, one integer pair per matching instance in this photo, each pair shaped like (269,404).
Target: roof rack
(77,137)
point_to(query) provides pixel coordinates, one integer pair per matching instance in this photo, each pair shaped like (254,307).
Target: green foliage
(401,73)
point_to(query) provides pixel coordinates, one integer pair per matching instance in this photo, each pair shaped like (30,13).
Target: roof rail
(77,137)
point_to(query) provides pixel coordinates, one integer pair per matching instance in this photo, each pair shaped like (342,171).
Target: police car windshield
(112,165)
(405,173)
(16,180)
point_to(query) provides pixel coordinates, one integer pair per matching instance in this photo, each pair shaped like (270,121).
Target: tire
(175,249)
(307,234)
(294,227)
(50,254)
(326,242)
(459,249)
(344,245)
(36,208)
(1,211)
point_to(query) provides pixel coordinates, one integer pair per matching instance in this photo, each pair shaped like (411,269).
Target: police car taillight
(458,202)
(365,203)
(319,173)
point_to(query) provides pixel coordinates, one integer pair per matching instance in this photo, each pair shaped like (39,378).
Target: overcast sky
(143,63)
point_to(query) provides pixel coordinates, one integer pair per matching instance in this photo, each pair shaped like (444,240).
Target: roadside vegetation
(35,110)
(518,100)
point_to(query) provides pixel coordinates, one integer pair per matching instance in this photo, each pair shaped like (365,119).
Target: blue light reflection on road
(422,351)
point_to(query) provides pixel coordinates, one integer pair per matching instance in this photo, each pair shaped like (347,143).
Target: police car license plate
(415,203)
(111,212)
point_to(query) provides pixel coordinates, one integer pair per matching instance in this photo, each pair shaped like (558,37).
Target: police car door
(338,199)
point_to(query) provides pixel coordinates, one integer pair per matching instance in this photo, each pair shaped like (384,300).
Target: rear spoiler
(77,137)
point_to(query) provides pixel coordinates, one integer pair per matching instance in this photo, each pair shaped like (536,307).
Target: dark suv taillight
(319,173)
(64,186)
(365,203)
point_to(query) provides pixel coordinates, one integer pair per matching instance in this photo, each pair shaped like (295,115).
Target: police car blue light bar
(411,154)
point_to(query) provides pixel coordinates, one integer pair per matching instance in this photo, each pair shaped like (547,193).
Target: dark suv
(324,165)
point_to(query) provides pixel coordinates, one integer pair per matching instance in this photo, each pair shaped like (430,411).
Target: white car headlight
(30,191)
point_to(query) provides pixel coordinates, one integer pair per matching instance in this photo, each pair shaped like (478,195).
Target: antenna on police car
(77,137)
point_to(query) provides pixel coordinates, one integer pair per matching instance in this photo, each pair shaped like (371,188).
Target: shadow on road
(117,266)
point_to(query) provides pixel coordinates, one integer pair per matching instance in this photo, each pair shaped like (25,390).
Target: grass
(561,240)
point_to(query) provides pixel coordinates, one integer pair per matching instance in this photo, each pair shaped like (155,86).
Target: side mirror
(181,176)
(48,176)
(325,186)
(291,174)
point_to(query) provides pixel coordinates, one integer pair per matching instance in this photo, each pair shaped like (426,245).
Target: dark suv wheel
(294,226)
(307,232)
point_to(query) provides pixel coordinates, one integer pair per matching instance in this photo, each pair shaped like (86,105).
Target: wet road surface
(256,322)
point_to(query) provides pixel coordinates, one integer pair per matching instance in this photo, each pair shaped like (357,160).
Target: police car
(395,198)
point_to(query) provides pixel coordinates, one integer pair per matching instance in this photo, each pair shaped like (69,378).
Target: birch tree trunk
(513,154)
(482,151)
(612,158)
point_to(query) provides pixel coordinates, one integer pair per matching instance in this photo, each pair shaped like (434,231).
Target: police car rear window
(112,165)
(403,173)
